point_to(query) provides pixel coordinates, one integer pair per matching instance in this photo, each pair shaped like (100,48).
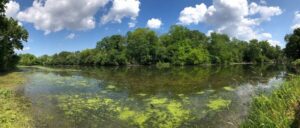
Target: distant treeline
(179,46)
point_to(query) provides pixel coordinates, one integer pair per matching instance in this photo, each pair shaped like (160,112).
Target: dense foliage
(292,49)
(11,37)
(179,46)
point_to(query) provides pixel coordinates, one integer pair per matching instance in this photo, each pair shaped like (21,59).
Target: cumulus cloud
(12,8)
(71,36)
(237,18)
(193,15)
(264,11)
(122,9)
(56,15)
(296,20)
(154,23)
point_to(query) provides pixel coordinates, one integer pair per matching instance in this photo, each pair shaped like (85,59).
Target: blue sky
(71,25)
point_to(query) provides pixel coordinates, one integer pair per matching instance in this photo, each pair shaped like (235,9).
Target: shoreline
(13,108)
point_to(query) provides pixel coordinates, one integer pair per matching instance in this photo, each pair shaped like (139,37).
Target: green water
(145,97)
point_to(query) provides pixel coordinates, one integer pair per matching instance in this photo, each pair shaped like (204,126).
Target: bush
(296,62)
(163,65)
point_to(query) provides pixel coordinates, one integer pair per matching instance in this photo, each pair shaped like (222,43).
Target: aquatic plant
(218,104)
(158,112)
(228,88)
(12,108)
(200,93)
(111,87)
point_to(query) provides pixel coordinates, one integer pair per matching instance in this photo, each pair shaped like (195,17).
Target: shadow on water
(210,96)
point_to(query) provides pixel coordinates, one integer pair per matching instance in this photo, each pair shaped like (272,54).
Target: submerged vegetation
(158,112)
(218,104)
(277,110)
(12,109)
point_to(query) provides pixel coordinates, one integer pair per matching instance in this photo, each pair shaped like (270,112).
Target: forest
(179,46)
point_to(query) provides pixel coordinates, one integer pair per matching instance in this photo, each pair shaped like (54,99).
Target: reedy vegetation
(277,110)
(179,46)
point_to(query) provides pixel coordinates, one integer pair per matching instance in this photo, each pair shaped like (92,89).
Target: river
(126,97)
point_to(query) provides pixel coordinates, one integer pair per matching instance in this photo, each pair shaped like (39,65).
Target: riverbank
(280,109)
(12,107)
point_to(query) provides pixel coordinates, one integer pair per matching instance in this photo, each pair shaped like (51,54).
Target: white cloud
(122,9)
(12,8)
(236,18)
(131,24)
(264,11)
(296,20)
(154,23)
(24,50)
(274,42)
(71,36)
(209,32)
(192,15)
(56,15)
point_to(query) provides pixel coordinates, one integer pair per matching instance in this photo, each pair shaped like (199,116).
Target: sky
(74,25)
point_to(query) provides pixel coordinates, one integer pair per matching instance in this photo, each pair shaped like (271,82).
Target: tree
(292,49)
(219,48)
(142,46)
(11,37)
(44,60)
(28,59)
(114,48)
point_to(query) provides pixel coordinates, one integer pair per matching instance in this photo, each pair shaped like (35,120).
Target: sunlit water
(126,97)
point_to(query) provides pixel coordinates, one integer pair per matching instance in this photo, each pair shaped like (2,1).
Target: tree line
(179,46)
(12,35)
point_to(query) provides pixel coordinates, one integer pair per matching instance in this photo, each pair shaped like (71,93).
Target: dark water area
(146,97)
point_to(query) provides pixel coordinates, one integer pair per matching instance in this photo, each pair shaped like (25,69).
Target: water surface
(126,97)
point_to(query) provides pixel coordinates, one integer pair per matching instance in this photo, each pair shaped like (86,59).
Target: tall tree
(142,46)
(292,49)
(11,37)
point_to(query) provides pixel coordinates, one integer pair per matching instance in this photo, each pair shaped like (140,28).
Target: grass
(11,80)
(12,108)
(276,110)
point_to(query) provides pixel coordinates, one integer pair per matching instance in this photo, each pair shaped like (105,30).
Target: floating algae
(157,101)
(142,94)
(218,104)
(228,88)
(111,87)
(211,90)
(181,95)
(200,93)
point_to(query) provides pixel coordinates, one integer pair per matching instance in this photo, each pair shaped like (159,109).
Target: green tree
(44,60)
(292,49)
(11,37)
(142,46)
(219,48)
(114,48)
(28,59)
